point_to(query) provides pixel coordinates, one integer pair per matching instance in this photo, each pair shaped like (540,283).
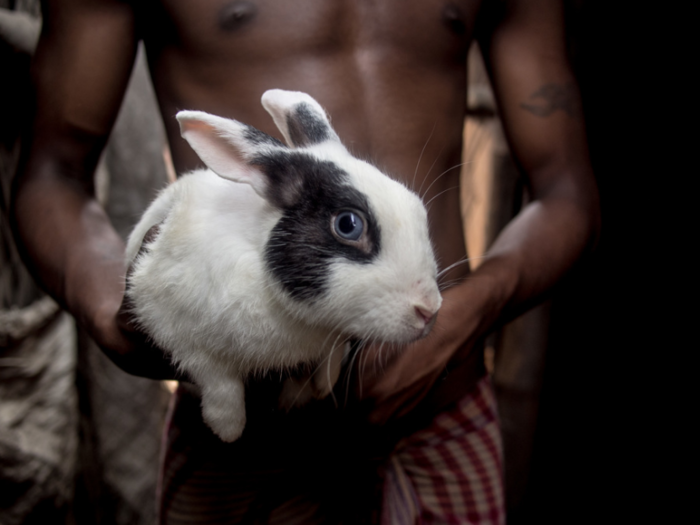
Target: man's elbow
(576,189)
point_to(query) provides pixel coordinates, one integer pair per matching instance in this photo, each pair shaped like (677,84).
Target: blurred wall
(79,438)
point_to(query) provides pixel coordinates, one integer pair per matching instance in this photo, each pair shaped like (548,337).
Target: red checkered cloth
(452,471)
(447,473)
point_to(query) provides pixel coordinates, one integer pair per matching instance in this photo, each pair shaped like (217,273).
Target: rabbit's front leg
(223,402)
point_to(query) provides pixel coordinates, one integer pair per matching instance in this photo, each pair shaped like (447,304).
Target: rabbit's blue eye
(349,225)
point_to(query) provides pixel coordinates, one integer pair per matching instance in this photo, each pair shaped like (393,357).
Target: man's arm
(80,72)
(524,50)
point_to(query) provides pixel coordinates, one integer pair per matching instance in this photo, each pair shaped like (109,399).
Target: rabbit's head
(351,249)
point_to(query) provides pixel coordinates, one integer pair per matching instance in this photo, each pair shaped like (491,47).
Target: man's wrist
(496,283)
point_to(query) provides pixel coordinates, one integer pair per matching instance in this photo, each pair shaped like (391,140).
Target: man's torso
(390,73)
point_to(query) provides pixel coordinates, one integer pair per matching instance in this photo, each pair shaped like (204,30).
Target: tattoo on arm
(552,97)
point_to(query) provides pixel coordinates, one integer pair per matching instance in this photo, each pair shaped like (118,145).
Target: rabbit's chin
(395,342)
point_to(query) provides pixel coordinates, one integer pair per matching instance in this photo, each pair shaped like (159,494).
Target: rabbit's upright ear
(301,119)
(227,146)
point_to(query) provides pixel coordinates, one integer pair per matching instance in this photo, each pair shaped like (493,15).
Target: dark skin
(392,75)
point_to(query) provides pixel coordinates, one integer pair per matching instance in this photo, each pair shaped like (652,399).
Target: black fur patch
(257,137)
(302,246)
(305,128)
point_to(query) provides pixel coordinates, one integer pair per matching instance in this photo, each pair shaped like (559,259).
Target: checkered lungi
(450,472)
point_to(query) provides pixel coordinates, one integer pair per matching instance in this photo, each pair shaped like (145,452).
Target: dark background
(607,443)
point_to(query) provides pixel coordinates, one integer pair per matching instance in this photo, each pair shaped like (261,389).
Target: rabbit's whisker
(427,204)
(442,175)
(420,157)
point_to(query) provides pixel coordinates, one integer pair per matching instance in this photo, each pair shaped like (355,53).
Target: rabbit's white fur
(201,289)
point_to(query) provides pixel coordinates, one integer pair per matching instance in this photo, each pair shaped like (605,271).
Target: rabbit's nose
(424,314)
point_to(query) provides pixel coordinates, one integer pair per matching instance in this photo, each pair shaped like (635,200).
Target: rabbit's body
(214,322)
(276,256)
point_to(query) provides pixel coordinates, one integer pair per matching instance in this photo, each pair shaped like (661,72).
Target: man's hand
(140,356)
(395,384)
(130,349)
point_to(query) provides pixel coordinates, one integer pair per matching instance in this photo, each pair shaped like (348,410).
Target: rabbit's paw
(223,409)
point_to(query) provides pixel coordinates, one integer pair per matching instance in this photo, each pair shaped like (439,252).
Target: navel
(453,17)
(235,15)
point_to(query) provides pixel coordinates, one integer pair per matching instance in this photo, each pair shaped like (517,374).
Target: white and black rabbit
(277,255)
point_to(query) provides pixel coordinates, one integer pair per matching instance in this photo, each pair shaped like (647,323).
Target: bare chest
(253,30)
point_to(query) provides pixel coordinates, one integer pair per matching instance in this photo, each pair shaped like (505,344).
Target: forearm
(536,249)
(68,243)
(76,255)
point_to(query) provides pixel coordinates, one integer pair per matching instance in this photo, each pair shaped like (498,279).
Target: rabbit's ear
(227,146)
(299,117)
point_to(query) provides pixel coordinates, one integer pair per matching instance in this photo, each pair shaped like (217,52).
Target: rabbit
(276,255)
